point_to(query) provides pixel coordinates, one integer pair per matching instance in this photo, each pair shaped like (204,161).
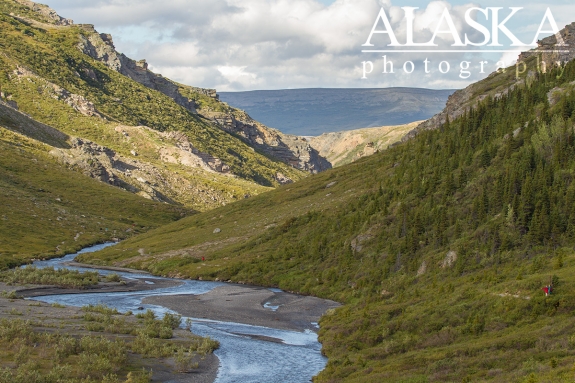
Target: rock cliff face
(552,50)
(47,12)
(556,48)
(101,47)
(293,150)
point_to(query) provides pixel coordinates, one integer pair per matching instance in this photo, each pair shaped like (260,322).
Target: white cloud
(270,44)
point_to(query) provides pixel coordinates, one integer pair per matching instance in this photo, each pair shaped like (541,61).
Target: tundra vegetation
(49,208)
(63,278)
(98,345)
(439,247)
(33,351)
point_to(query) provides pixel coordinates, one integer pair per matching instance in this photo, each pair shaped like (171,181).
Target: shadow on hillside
(16,121)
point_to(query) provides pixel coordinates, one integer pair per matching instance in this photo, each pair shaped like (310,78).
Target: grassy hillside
(342,148)
(43,71)
(50,210)
(439,247)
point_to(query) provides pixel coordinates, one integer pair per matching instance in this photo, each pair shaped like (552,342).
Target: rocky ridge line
(292,150)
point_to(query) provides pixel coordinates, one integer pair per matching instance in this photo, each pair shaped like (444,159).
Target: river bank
(265,335)
(127,285)
(68,320)
(251,305)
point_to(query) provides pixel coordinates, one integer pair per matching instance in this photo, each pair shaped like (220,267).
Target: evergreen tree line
(496,180)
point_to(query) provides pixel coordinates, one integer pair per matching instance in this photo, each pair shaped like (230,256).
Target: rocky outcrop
(556,48)
(96,161)
(185,154)
(77,102)
(140,177)
(100,46)
(293,150)
(47,12)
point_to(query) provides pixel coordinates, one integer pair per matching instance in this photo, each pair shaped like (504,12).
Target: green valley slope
(48,209)
(139,137)
(439,247)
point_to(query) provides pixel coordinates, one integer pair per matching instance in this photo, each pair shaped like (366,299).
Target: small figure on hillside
(548,290)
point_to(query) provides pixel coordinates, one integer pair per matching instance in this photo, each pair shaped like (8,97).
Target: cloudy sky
(236,45)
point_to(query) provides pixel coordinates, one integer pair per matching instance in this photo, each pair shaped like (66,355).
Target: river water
(242,358)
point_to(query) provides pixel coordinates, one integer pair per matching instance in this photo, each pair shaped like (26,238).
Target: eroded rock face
(77,102)
(106,165)
(292,150)
(96,161)
(186,154)
(47,12)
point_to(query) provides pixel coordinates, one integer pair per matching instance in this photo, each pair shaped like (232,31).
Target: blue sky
(273,44)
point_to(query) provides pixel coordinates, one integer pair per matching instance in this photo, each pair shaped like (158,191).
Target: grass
(49,210)
(438,248)
(30,352)
(48,276)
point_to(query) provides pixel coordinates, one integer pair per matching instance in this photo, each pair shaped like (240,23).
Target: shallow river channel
(243,359)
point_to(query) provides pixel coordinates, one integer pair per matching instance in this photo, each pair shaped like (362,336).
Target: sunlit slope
(341,148)
(183,157)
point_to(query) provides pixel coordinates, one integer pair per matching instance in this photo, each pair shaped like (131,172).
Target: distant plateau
(311,112)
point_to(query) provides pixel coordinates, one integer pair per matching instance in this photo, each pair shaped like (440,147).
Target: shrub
(139,376)
(185,360)
(102,309)
(66,346)
(172,320)
(113,278)
(49,276)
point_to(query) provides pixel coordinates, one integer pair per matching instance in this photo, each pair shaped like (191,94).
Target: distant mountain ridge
(311,112)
